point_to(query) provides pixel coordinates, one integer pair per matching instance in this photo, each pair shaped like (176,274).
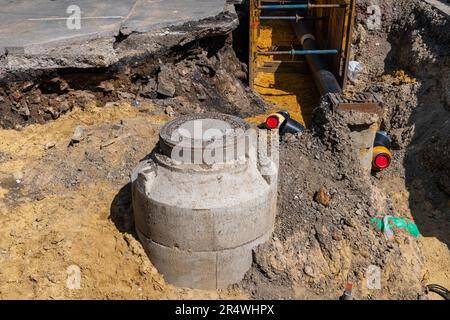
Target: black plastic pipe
(325,80)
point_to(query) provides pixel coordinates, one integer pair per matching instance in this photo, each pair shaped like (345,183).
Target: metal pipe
(325,81)
(296,18)
(299,52)
(299,6)
(283,6)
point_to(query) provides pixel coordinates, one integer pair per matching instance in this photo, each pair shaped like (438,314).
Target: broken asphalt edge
(48,56)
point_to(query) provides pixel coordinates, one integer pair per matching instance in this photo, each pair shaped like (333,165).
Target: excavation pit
(73,203)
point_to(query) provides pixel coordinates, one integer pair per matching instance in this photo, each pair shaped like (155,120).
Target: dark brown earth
(204,75)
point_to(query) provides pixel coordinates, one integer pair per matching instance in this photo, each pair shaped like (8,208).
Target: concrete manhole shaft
(199,223)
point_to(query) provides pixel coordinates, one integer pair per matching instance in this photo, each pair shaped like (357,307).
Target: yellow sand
(40,237)
(293,92)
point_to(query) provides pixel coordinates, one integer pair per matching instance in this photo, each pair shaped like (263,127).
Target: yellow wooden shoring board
(254,26)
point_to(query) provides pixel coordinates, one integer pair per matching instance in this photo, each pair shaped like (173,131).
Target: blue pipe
(300,52)
(290,18)
(284,6)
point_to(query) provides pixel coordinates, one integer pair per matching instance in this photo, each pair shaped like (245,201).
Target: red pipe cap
(382,161)
(272,122)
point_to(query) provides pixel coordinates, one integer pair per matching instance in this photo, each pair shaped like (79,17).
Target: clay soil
(65,200)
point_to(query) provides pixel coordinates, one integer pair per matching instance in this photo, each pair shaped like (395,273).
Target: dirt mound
(411,72)
(319,246)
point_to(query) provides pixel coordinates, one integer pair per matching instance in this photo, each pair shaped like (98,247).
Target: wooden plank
(350,25)
(253,30)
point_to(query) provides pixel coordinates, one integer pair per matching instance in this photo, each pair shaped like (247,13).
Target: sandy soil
(63,206)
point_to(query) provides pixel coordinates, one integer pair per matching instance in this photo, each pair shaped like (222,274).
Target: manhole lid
(190,136)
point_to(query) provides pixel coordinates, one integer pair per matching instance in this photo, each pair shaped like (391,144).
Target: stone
(166,86)
(309,271)
(169,111)
(106,86)
(77,135)
(149,90)
(322,197)
(24,111)
(50,145)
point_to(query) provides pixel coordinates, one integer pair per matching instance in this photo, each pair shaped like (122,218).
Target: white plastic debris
(388,233)
(354,70)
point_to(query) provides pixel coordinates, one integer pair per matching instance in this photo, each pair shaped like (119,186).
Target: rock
(77,135)
(198,109)
(50,145)
(149,90)
(27,86)
(24,111)
(183,71)
(169,111)
(125,95)
(59,83)
(289,137)
(349,222)
(166,86)
(64,107)
(51,278)
(201,97)
(322,197)
(106,86)
(111,104)
(309,271)
(52,111)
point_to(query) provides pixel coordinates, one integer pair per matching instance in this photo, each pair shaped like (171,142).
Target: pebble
(322,197)
(77,135)
(169,111)
(51,278)
(50,145)
(309,271)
